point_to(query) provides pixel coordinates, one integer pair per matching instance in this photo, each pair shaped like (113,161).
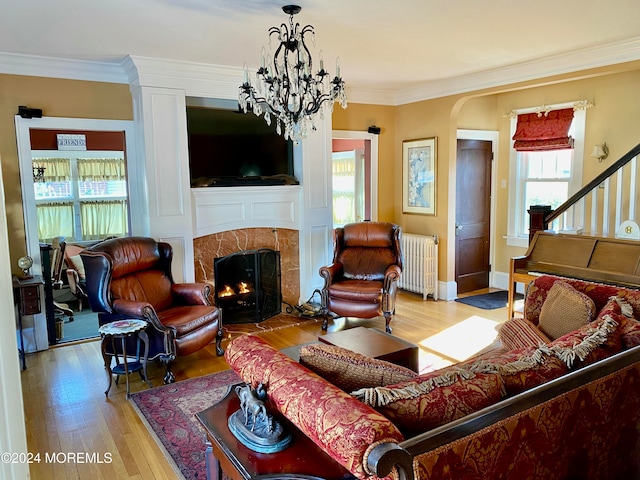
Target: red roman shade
(546,131)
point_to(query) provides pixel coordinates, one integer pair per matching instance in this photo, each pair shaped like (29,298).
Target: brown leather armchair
(362,280)
(131,278)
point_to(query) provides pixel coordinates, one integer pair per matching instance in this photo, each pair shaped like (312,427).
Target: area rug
(277,322)
(169,411)
(489,301)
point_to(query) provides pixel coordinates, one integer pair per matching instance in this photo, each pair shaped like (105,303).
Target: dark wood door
(473,214)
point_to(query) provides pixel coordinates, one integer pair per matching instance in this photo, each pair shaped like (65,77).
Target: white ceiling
(383,45)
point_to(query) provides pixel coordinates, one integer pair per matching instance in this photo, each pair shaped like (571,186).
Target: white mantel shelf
(219,209)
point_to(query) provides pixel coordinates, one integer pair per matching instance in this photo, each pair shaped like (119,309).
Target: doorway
(354,177)
(473,214)
(74,175)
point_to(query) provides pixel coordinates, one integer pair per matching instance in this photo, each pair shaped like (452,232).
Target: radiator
(420,271)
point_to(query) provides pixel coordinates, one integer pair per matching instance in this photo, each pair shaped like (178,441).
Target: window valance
(55,169)
(99,169)
(544,131)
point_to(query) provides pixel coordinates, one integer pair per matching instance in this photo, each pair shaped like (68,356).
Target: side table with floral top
(121,330)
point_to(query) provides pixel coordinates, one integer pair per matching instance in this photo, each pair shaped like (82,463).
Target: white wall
(160,89)
(13,436)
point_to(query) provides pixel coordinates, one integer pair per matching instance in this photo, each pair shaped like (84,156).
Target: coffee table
(377,344)
(301,460)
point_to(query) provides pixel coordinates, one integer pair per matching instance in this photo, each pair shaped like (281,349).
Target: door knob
(458,228)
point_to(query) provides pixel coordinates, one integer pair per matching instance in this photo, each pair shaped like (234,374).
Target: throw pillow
(630,333)
(349,370)
(523,368)
(564,310)
(434,399)
(520,333)
(592,342)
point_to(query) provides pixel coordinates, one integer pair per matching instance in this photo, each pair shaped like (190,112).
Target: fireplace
(247,285)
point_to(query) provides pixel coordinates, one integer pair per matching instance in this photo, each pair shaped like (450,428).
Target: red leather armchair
(362,280)
(131,278)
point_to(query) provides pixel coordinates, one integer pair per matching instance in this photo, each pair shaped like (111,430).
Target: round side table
(123,329)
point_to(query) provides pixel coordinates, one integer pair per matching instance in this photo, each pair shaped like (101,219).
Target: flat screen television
(231,148)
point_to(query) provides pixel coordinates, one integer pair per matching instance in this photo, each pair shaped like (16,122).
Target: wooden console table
(26,294)
(226,454)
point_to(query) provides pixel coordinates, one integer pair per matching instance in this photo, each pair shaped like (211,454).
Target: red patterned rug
(169,414)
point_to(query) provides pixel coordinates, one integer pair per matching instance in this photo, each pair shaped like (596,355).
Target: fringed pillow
(590,343)
(434,399)
(520,333)
(349,370)
(630,333)
(622,312)
(523,368)
(565,310)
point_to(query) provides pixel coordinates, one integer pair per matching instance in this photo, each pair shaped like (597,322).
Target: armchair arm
(73,279)
(391,276)
(331,273)
(144,311)
(192,293)
(130,308)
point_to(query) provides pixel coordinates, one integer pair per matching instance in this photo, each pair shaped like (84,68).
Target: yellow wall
(615,91)
(614,119)
(56,98)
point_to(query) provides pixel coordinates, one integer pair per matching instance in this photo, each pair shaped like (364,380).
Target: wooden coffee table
(377,344)
(302,459)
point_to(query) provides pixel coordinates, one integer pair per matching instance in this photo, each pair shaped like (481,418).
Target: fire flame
(227,292)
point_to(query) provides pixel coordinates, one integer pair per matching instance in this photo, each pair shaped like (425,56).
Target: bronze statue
(253,425)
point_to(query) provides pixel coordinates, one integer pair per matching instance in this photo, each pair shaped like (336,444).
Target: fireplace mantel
(219,209)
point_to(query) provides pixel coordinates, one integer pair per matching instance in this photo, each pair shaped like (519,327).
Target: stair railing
(541,219)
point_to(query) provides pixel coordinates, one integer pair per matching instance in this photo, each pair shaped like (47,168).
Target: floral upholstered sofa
(560,400)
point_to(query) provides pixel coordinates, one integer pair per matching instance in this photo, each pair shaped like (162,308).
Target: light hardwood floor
(66,410)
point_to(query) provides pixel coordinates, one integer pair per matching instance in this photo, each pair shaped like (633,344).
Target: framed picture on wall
(419,176)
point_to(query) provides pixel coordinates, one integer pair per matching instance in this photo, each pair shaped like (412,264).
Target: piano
(605,260)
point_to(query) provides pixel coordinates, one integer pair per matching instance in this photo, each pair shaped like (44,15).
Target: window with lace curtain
(83,195)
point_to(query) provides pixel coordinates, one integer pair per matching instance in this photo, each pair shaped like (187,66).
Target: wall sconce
(601,152)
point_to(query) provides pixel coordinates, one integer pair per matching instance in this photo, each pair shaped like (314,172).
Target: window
(348,187)
(82,195)
(545,178)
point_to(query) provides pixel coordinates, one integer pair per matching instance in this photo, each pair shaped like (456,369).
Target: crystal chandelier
(287,89)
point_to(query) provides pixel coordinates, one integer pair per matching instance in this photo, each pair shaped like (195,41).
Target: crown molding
(219,81)
(196,79)
(576,60)
(39,66)
(370,96)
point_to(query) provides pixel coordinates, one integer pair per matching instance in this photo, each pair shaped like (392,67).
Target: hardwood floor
(67,413)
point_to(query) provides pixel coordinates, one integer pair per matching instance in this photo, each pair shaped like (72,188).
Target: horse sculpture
(253,426)
(251,404)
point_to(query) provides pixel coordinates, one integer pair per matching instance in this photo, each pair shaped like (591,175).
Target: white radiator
(420,272)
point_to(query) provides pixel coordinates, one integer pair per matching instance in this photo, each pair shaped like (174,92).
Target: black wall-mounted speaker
(26,112)
(375,130)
